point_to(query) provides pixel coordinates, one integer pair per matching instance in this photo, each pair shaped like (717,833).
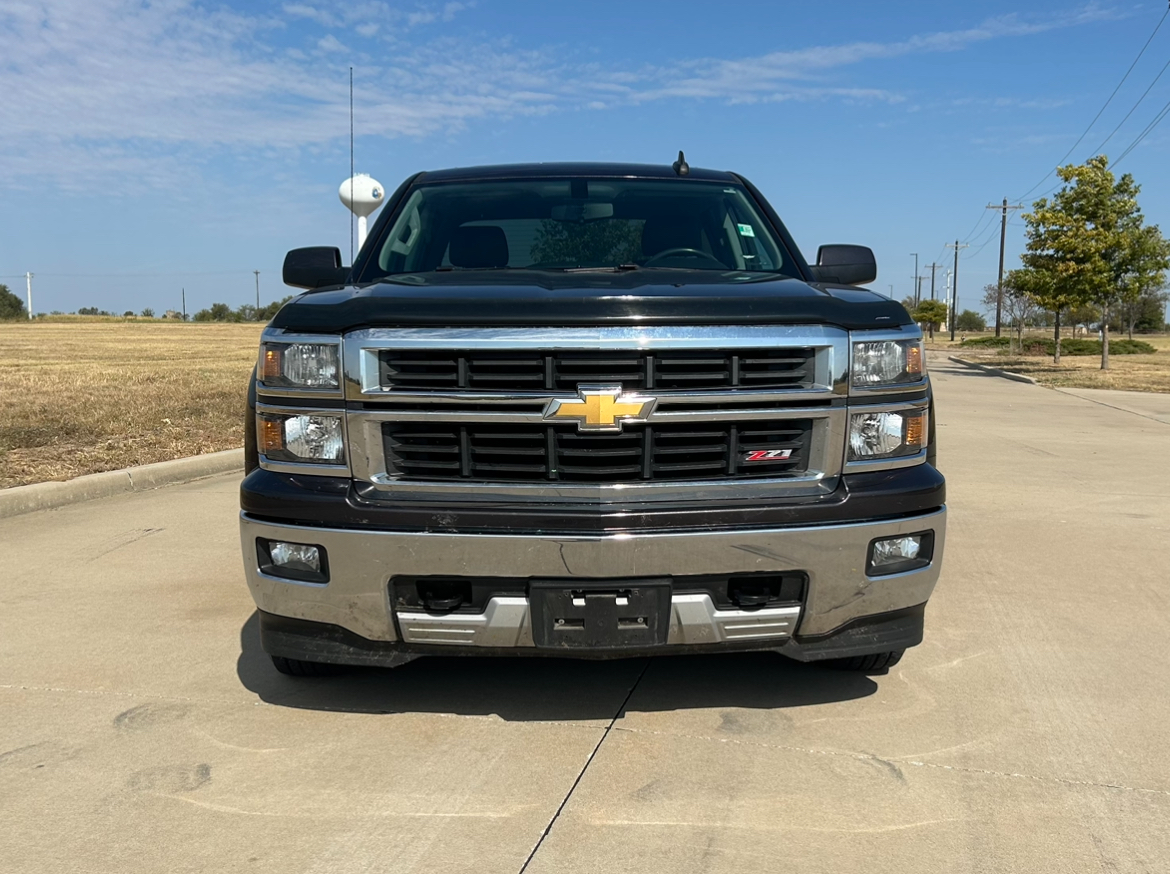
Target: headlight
(300,365)
(887,435)
(312,438)
(887,362)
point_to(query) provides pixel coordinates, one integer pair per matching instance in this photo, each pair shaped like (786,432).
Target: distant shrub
(988,342)
(1068,346)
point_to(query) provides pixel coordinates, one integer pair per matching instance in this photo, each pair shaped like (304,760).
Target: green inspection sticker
(746,231)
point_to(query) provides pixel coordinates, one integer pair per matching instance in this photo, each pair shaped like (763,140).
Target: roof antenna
(681,167)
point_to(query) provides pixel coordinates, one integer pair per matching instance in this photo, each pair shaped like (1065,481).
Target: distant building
(172,314)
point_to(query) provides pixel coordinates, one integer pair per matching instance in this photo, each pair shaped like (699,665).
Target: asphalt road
(143,730)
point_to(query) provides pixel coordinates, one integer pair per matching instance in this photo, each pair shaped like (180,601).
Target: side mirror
(314,267)
(847,265)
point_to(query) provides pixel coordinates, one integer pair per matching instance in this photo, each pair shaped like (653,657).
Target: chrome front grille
(536,369)
(530,452)
(468,414)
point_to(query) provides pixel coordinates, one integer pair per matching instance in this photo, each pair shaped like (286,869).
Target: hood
(644,297)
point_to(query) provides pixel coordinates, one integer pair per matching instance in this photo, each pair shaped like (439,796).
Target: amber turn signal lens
(272,365)
(914,359)
(271,436)
(916,431)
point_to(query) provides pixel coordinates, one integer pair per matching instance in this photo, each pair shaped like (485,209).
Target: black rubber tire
(297,668)
(867,664)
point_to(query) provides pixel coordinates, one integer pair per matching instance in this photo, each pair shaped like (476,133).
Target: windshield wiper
(617,268)
(449,269)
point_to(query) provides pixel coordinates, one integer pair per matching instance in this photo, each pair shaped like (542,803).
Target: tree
(1089,244)
(931,313)
(969,320)
(1083,316)
(266,312)
(11,306)
(1150,312)
(217,312)
(1145,283)
(88,311)
(147,313)
(1018,308)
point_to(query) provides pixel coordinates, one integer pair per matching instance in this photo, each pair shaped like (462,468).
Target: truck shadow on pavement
(544,689)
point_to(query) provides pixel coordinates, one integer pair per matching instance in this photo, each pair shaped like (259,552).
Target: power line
(1148,129)
(980,238)
(1157,27)
(1097,151)
(970,233)
(982,246)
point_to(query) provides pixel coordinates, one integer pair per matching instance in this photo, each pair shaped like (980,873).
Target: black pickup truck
(590,410)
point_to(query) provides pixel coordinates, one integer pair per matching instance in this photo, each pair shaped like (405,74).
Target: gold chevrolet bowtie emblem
(601,408)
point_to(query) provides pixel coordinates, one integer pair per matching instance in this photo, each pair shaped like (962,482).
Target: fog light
(892,555)
(295,561)
(896,549)
(295,556)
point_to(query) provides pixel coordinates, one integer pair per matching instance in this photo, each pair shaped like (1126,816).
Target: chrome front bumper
(361,563)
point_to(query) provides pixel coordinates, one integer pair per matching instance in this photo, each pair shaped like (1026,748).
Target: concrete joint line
(994,371)
(895,762)
(45,496)
(621,709)
(1110,406)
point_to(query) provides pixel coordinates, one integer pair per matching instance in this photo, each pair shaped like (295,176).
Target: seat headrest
(670,232)
(479,246)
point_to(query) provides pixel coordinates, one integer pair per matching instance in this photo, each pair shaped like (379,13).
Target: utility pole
(1002,235)
(918,290)
(955,284)
(28,280)
(914,279)
(184,304)
(933,267)
(891,291)
(257,272)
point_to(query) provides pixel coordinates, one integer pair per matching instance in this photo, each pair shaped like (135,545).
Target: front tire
(298,668)
(868,664)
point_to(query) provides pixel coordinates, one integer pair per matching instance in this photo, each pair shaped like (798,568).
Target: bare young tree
(1018,309)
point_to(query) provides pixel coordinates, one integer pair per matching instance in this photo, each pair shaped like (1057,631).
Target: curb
(45,496)
(994,371)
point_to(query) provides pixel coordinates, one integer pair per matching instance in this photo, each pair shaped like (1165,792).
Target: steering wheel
(684,251)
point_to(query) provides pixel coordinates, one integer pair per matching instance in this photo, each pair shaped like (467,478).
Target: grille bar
(537,452)
(668,370)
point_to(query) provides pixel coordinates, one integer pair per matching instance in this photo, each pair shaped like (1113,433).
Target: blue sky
(151,146)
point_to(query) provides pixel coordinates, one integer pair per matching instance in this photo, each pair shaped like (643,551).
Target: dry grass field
(1127,372)
(84,395)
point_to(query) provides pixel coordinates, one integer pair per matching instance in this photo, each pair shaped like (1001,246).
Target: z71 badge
(768,455)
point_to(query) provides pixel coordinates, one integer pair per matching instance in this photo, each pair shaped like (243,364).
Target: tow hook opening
(756,591)
(443,596)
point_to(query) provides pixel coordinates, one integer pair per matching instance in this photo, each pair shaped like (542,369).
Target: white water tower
(362,195)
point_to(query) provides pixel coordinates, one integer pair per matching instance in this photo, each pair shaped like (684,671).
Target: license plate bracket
(600,615)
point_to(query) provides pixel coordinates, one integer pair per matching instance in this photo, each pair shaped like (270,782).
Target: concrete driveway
(143,729)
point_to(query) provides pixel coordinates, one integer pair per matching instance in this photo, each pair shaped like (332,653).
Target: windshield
(575,224)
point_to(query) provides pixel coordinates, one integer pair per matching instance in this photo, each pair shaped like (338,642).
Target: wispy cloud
(111,87)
